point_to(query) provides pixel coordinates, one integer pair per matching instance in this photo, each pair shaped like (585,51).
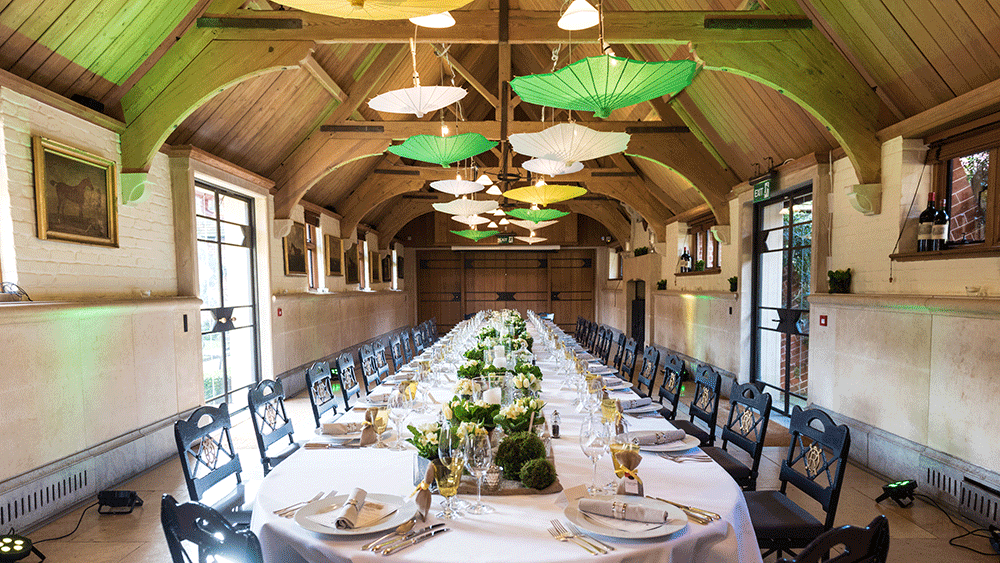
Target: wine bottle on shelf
(685,261)
(939,231)
(925,225)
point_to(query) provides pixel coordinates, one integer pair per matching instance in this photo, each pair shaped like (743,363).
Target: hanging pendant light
(494,190)
(498,212)
(568,142)
(457,187)
(492,225)
(470,220)
(504,221)
(580,15)
(418,100)
(531,238)
(551,167)
(441,20)
(465,206)
(532,226)
(484,180)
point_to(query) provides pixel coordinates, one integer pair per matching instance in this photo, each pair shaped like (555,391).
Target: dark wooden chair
(368,368)
(349,385)
(592,337)
(587,328)
(704,405)
(620,341)
(270,422)
(418,339)
(857,545)
(205,447)
(627,368)
(598,340)
(746,429)
(817,458)
(647,372)
(432,329)
(319,382)
(674,372)
(578,333)
(407,337)
(396,347)
(381,362)
(200,526)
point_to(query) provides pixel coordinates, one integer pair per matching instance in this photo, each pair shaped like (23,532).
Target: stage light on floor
(900,491)
(14,547)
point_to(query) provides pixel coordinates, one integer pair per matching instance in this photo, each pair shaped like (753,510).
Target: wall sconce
(865,198)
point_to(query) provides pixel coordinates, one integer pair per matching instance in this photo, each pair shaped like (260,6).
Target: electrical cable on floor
(74,529)
(968,532)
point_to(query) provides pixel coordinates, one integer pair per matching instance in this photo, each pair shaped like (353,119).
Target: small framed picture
(399,266)
(387,268)
(76,194)
(376,266)
(351,264)
(295,250)
(334,256)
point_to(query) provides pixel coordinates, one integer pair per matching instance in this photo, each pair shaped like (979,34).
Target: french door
(228,291)
(781,282)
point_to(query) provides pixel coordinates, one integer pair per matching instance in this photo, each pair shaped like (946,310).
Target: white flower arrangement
(465,428)
(527,382)
(466,387)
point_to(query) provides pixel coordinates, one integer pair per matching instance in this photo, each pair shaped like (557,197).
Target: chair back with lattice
(647,371)
(432,326)
(705,402)
(578,333)
(407,337)
(206,449)
(851,543)
(620,340)
(381,362)
(604,344)
(204,527)
(817,458)
(592,336)
(627,368)
(598,339)
(587,327)
(368,368)
(749,413)
(670,385)
(349,385)
(270,421)
(418,339)
(319,382)
(396,347)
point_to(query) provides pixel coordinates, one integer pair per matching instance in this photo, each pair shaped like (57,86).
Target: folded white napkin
(635,403)
(621,509)
(347,516)
(341,428)
(657,438)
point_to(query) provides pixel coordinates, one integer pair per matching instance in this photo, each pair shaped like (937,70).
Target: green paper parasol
(475,235)
(537,215)
(602,84)
(443,150)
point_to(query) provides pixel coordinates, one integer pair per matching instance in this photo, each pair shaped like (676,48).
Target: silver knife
(390,542)
(415,540)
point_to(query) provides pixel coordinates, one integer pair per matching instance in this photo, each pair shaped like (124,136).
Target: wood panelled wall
(452,284)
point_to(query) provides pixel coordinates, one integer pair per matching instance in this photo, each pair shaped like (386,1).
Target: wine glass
(478,458)
(399,408)
(449,468)
(595,439)
(379,425)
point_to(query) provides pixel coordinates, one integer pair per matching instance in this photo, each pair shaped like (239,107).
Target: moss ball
(538,474)
(516,450)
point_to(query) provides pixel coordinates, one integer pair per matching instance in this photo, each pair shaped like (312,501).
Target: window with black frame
(704,247)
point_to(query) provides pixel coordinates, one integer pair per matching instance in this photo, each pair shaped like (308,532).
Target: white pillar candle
(493,395)
(499,351)
(500,362)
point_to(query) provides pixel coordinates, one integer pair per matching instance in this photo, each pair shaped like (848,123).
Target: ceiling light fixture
(580,15)
(484,180)
(498,212)
(494,190)
(436,21)
(493,225)
(504,221)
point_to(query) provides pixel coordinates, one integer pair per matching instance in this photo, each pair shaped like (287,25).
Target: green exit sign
(762,188)
(505,238)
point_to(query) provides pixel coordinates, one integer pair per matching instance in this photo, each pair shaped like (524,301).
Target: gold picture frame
(334,256)
(376,266)
(294,245)
(386,268)
(76,194)
(352,265)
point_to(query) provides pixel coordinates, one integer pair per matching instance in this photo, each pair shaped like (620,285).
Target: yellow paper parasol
(545,194)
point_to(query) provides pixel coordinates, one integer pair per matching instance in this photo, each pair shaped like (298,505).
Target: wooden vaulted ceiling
(782,79)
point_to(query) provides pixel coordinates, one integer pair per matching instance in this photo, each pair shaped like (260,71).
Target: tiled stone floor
(919,533)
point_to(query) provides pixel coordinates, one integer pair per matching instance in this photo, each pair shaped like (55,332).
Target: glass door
(782,260)
(228,289)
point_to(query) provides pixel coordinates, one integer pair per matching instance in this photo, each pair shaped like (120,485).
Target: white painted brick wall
(59,270)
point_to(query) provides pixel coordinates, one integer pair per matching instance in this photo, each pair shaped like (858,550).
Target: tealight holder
(491,482)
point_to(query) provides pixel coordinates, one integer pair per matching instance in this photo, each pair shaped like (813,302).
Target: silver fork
(296,505)
(567,534)
(576,531)
(563,538)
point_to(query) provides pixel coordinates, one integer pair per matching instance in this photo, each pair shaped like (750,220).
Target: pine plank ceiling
(914,54)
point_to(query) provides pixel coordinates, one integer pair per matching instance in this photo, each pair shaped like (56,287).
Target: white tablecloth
(517,531)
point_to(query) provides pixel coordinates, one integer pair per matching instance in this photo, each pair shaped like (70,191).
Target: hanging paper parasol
(531,240)
(375,9)
(536,215)
(545,194)
(475,235)
(470,219)
(465,206)
(531,226)
(602,84)
(568,142)
(551,167)
(457,187)
(418,100)
(443,150)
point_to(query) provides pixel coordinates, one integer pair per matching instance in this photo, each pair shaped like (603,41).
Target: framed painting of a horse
(76,194)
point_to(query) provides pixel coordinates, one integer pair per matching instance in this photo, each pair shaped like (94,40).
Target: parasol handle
(413,56)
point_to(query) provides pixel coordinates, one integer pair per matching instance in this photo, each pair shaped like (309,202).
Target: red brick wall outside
(798,383)
(966,217)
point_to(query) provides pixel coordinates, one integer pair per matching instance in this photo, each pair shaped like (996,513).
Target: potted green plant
(699,266)
(662,284)
(641,251)
(840,281)
(733,282)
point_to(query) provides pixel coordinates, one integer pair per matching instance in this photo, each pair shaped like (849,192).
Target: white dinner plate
(651,407)
(405,512)
(679,446)
(602,370)
(618,385)
(344,437)
(676,520)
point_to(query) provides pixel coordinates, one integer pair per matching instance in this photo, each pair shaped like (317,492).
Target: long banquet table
(517,531)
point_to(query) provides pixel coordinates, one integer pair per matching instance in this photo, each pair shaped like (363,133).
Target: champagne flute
(451,455)
(479,457)
(379,425)
(399,406)
(594,441)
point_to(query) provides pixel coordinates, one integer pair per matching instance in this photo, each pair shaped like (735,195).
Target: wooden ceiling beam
(399,130)
(605,213)
(483,26)
(433,173)
(369,194)
(642,182)
(473,81)
(650,208)
(400,215)
(312,66)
